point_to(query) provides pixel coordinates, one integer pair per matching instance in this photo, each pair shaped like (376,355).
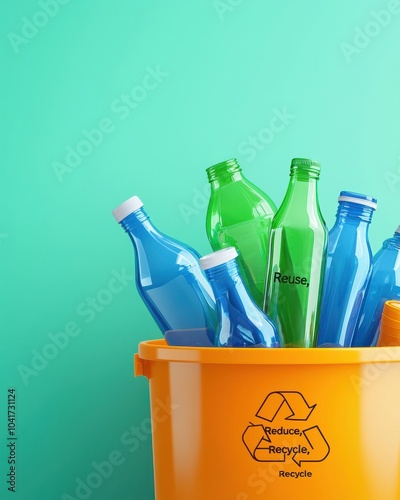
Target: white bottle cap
(219,257)
(127,207)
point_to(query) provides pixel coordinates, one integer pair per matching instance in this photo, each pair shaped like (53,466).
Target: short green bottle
(297,258)
(239,214)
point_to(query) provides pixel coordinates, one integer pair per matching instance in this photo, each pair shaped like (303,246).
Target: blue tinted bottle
(348,269)
(384,285)
(241,323)
(168,275)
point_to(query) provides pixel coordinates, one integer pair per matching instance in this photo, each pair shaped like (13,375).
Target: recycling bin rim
(159,350)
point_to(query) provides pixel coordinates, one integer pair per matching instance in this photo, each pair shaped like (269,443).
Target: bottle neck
(302,185)
(224,279)
(354,213)
(393,242)
(138,224)
(224,173)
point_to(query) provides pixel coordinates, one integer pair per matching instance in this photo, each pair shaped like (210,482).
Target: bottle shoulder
(385,275)
(156,245)
(242,322)
(349,233)
(298,211)
(392,244)
(309,219)
(388,257)
(241,196)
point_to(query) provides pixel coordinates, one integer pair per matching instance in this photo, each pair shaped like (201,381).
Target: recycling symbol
(285,432)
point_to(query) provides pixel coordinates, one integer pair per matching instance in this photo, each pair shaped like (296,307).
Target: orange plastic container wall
(241,424)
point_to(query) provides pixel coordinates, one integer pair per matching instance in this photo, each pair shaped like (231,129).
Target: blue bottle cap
(361,199)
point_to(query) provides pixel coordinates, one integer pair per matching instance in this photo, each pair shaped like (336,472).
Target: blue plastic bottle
(168,274)
(348,269)
(384,285)
(241,323)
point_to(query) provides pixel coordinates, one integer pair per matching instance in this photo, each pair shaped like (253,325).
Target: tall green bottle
(297,257)
(239,214)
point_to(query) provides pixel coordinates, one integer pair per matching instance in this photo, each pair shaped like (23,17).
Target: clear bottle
(241,323)
(297,258)
(348,269)
(168,275)
(384,285)
(239,214)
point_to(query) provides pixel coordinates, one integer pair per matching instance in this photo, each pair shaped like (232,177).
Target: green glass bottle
(297,257)
(239,214)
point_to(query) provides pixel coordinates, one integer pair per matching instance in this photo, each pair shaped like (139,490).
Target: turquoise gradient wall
(103,100)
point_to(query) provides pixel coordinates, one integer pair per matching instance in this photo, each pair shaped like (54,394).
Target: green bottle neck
(224,173)
(304,172)
(303,189)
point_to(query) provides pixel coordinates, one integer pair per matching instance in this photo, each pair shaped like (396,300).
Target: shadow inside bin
(195,337)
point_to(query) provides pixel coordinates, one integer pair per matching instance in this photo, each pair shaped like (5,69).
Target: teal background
(224,71)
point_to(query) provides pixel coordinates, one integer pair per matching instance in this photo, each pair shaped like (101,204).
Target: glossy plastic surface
(384,285)
(241,323)
(240,214)
(269,424)
(348,269)
(169,278)
(297,259)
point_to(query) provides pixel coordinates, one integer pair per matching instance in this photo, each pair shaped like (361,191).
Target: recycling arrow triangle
(265,443)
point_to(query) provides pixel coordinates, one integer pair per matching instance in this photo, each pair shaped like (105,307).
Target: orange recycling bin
(241,424)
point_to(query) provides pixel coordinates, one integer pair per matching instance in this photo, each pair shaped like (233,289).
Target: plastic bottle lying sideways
(239,214)
(384,285)
(241,323)
(168,274)
(390,325)
(348,269)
